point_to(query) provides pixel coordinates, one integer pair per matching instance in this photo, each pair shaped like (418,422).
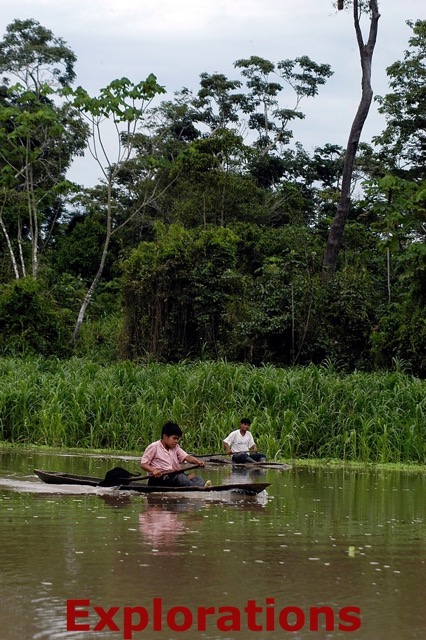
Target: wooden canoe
(58,477)
(247,465)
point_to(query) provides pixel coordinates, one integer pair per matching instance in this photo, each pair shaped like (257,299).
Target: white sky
(177,40)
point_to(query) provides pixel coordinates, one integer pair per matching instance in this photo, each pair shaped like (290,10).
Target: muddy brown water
(325,554)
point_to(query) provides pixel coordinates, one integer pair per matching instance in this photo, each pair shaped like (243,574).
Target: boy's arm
(228,449)
(227,444)
(150,469)
(194,460)
(146,462)
(252,446)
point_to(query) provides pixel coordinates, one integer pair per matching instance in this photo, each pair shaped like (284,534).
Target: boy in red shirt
(167,455)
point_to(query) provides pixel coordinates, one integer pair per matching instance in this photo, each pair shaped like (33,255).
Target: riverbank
(305,414)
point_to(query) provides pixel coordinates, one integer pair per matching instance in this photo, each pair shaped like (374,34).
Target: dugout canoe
(247,465)
(58,477)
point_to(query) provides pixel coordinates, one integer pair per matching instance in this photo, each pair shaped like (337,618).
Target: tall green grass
(312,412)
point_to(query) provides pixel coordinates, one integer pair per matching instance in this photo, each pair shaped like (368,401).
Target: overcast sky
(177,40)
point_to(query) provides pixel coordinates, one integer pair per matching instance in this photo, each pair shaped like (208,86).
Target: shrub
(31,322)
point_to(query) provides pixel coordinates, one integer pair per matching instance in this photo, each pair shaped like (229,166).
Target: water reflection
(116,501)
(329,537)
(162,524)
(245,474)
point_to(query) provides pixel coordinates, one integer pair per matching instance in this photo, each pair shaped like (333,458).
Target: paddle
(223,453)
(265,463)
(212,455)
(118,475)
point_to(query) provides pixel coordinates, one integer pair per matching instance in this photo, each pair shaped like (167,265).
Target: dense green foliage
(247,293)
(202,242)
(31,321)
(297,412)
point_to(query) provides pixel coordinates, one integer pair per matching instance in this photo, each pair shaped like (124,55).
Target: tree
(37,143)
(226,174)
(35,57)
(178,292)
(396,196)
(366,50)
(38,138)
(264,81)
(403,142)
(123,104)
(217,104)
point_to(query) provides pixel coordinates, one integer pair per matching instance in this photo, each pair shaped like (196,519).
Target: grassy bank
(310,412)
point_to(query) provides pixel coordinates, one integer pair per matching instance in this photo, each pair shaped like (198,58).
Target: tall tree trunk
(21,253)
(89,295)
(9,243)
(33,205)
(337,228)
(32,208)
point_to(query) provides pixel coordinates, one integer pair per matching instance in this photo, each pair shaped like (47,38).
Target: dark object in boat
(118,475)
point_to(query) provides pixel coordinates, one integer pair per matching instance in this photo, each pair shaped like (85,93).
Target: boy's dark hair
(171,429)
(245,421)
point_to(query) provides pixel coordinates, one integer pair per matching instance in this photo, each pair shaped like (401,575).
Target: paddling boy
(241,445)
(167,455)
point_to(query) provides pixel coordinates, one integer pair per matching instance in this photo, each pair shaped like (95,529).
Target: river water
(324,554)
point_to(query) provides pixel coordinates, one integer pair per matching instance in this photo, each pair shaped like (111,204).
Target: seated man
(241,445)
(166,455)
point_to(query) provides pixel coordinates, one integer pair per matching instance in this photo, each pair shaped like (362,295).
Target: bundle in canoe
(57,477)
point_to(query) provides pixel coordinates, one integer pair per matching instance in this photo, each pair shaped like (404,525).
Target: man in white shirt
(241,445)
